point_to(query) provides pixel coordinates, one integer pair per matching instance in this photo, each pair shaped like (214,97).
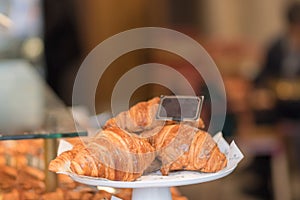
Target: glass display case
(28,102)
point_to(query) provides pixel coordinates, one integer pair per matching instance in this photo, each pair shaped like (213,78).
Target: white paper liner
(115,198)
(232,152)
(63,146)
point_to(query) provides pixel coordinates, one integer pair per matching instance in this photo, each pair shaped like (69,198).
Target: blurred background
(255,45)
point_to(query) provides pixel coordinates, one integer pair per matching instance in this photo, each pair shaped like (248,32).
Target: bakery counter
(32,119)
(23,175)
(22,172)
(57,121)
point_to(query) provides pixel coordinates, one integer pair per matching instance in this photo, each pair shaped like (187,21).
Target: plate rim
(161,181)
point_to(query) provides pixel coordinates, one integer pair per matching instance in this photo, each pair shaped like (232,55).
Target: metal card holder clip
(179,108)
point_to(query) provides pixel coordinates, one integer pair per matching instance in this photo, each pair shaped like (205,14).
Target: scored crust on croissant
(182,147)
(113,154)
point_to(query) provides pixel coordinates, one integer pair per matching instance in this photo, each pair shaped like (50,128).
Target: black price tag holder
(179,108)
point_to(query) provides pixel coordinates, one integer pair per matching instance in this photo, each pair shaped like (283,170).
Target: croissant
(117,153)
(62,162)
(183,147)
(138,118)
(113,154)
(142,117)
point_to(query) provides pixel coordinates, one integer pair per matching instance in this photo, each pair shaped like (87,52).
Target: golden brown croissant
(138,118)
(113,154)
(199,123)
(183,147)
(142,117)
(116,153)
(62,162)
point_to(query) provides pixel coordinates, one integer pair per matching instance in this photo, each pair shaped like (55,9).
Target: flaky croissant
(62,162)
(113,154)
(117,153)
(183,147)
(142,117)
(138,118)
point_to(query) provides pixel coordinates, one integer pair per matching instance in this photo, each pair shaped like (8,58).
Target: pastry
(183,147)
(113,154)
(138,118)
(135,142)
(62,162)
(142,118)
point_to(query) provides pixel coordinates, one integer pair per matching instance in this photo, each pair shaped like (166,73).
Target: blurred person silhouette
(278,96)
(281,71)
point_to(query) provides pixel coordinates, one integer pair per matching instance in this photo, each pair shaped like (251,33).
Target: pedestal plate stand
(155,186)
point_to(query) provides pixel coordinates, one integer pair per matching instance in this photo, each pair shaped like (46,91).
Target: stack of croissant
(131,142)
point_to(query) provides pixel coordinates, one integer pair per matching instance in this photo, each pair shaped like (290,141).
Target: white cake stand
(155,186)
